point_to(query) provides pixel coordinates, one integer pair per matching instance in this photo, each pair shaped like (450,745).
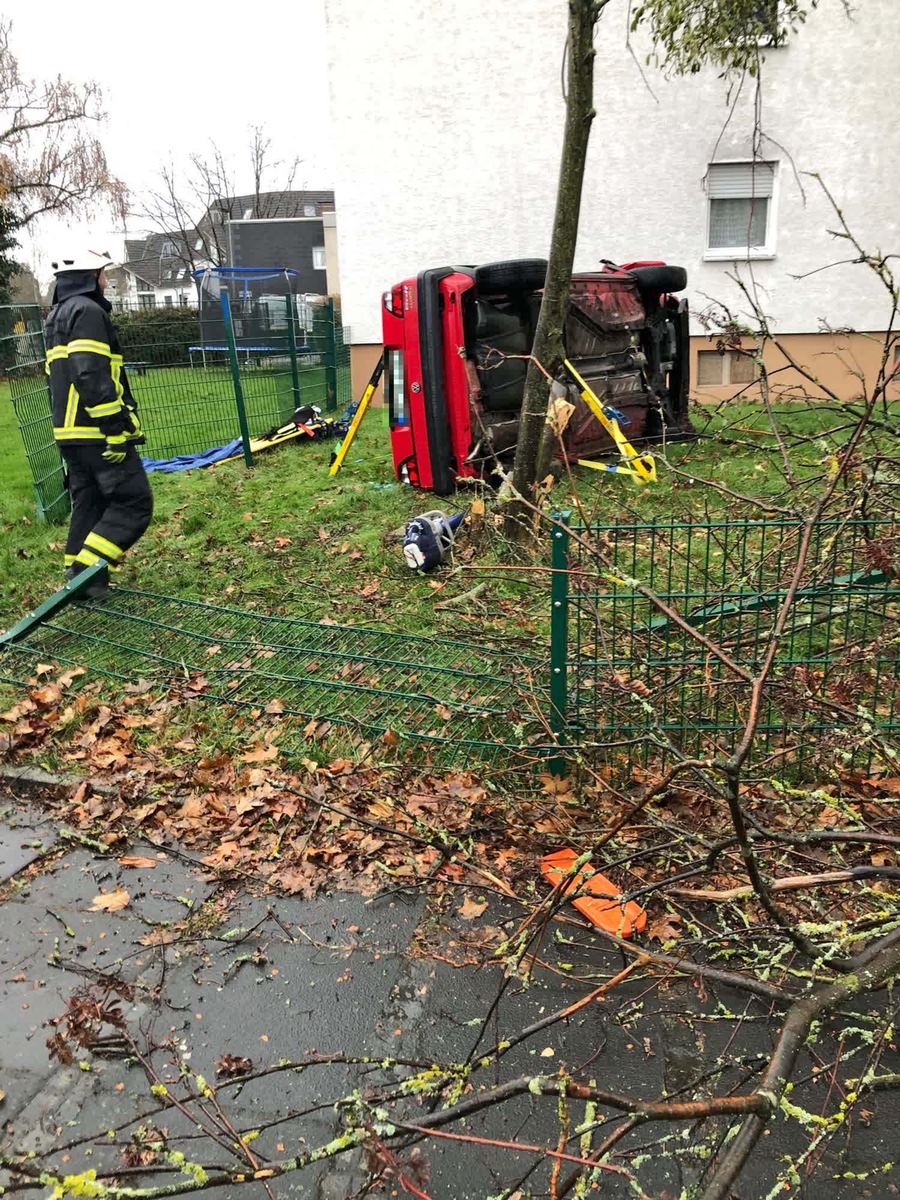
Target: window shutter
(739,181)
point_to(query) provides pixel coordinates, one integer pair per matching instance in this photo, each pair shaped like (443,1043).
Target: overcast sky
(175,74)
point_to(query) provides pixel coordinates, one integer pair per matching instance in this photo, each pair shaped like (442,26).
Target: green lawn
(189,409)
(289,539)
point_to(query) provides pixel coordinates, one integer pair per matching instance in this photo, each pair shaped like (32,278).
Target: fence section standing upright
(659,630)
(22,357)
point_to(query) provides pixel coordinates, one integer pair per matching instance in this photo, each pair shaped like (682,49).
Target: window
(767,13)
(182,299)
(248,213)
(318,258)
(741,210)
(198,245)
(169,249)
(715,369)
(167,301)
(146,300)
(309,210)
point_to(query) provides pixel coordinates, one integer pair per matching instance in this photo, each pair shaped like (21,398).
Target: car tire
(516,274)
(659,279)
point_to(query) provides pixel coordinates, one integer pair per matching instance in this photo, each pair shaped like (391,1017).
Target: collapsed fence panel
(444,698)
(22,356)
(667,624)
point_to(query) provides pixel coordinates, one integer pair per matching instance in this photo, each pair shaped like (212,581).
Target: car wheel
(517,273)
(659,279)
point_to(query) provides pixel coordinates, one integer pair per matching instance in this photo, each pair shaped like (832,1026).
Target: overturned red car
(456,343)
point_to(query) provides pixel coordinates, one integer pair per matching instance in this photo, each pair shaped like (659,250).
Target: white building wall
(447,124)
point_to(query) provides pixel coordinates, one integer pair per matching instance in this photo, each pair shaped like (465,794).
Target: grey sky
(176,73)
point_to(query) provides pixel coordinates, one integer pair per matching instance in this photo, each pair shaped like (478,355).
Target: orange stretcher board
(623,920)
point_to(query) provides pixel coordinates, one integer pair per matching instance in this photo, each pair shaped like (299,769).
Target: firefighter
(95,421)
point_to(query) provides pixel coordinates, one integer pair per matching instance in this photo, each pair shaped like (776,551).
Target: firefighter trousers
(111,504)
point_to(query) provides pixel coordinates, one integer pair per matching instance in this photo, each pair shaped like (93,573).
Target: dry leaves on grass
(260,754)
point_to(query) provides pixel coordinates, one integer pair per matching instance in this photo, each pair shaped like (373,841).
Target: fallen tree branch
(793,1037)
(792,883)
(460,601)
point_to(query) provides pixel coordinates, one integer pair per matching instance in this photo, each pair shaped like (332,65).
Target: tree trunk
(548,338)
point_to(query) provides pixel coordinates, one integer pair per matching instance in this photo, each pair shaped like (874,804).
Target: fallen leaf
(160,935)
(471,908)
(47,697)
(110,901)
(547,1052)
(664,927)
(274,707)
(139,688)
(137,860)
(260,754)
(233,1064)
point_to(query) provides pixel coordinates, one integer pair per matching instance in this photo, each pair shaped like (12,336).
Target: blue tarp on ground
(187,462)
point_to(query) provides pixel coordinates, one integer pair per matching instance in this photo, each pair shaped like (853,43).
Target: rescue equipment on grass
(429,539)
(307,421)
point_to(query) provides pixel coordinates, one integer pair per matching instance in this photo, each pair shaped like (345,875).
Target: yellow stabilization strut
(340,454)
(641,467)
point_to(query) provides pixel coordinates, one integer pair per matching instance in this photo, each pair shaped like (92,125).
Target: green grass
(289,540)
(185,410)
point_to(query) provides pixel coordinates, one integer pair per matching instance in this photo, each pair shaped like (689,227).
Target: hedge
(159,336)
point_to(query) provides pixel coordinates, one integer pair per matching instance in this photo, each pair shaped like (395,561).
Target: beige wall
(332,265)
(836,360)
(362,364)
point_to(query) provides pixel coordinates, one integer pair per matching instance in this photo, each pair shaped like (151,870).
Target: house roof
(151,258)
(274,205)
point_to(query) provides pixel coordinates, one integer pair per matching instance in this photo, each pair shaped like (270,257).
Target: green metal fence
(643,679)
(22,359)
(189,368)
(441,697)
(187,371)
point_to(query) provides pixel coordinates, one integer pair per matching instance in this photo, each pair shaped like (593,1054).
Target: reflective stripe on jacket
(89,393)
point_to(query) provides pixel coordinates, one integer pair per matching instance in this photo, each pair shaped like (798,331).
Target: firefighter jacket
(89,393)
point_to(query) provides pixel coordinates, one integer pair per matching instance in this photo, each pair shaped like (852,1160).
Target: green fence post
(292,346)
(236,377)
(331,377)
(559,638)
